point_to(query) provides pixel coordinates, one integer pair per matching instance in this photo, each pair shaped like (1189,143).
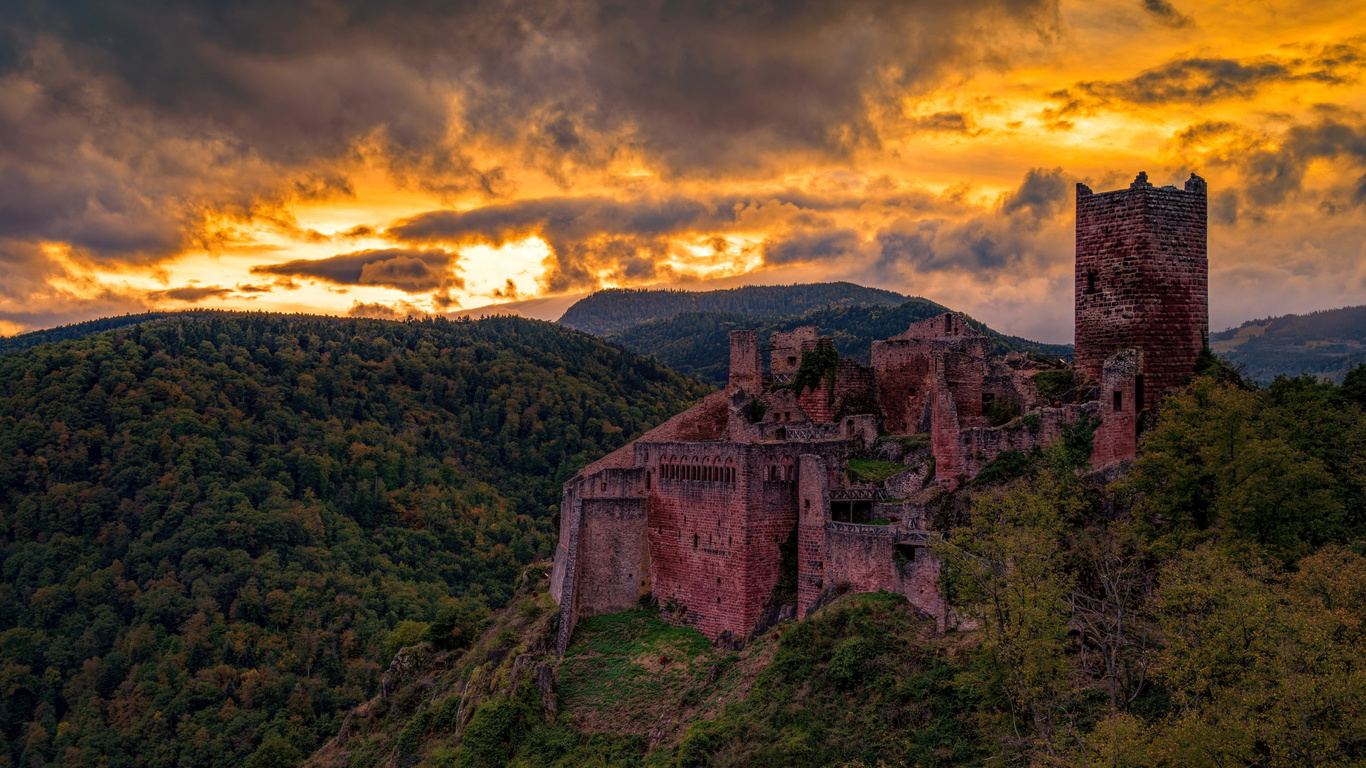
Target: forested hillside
(697,343)
(1206,610)
(213,530)
(620,308)
(1326,344)
(81,330)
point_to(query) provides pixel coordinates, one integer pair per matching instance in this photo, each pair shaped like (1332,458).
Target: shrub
(851,659)
(405,634)
(1055,385)
(1001,411)
(457,624)
(701,740)
(1006,466)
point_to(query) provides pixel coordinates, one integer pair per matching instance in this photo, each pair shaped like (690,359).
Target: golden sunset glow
(408,164)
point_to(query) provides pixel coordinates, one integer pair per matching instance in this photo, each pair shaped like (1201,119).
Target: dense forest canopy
(80,330)
(211,527)
(617,309)
(698,343)
(1208,609)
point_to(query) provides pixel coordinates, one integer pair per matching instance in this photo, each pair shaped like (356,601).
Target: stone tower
(1142,281)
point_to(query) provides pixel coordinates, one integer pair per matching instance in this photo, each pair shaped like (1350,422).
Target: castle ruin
(751,507)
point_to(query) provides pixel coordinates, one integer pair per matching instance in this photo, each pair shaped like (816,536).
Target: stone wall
(900,370)
(813,496)
(714,543)
(745,367)
(946,326)
(1141,279)
(863,558)
(614,557)
(1117,437)
(786,348)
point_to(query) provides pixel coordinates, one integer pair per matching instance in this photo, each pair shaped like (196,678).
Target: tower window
(694,541)
(1119,401)
(1091,282)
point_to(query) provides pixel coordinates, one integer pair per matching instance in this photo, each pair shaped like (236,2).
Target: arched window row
(706,472)
(781,473)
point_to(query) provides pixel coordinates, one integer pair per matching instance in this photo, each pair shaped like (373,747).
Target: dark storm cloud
(1272,167)
(587,235)
(125,120)
(562,217)
(1200,80)
(1042,194)
(942,122)
(590,236)
(1166,14)
(1024,226)
(412,271)
(809,246)
(191,293)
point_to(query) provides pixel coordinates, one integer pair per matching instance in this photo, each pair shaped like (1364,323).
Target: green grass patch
(873,470)
(614,667)
(857,681)
(908,443)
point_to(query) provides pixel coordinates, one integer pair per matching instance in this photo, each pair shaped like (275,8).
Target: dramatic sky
(418,156)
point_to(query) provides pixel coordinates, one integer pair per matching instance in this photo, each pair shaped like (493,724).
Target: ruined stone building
(752,506)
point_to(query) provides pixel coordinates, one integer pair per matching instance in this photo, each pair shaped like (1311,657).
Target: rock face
(712,512)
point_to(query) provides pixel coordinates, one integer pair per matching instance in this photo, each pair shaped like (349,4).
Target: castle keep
(755,506)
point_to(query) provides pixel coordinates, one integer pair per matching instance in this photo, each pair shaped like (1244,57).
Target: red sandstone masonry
(714,544)
(813,496)
(745,369)
(1117,437)
(1142,279)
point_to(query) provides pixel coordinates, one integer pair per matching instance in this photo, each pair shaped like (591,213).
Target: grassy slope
(863,679)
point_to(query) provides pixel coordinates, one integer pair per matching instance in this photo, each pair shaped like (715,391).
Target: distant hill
(1326,344)
(616,310)
(80,330)
(697,343)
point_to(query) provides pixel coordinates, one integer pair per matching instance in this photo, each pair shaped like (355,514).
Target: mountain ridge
(1326,343)
(617,309)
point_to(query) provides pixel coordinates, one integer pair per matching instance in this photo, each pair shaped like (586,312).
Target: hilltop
(217,529)
(1326,344)
(23,341)
(617,309)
